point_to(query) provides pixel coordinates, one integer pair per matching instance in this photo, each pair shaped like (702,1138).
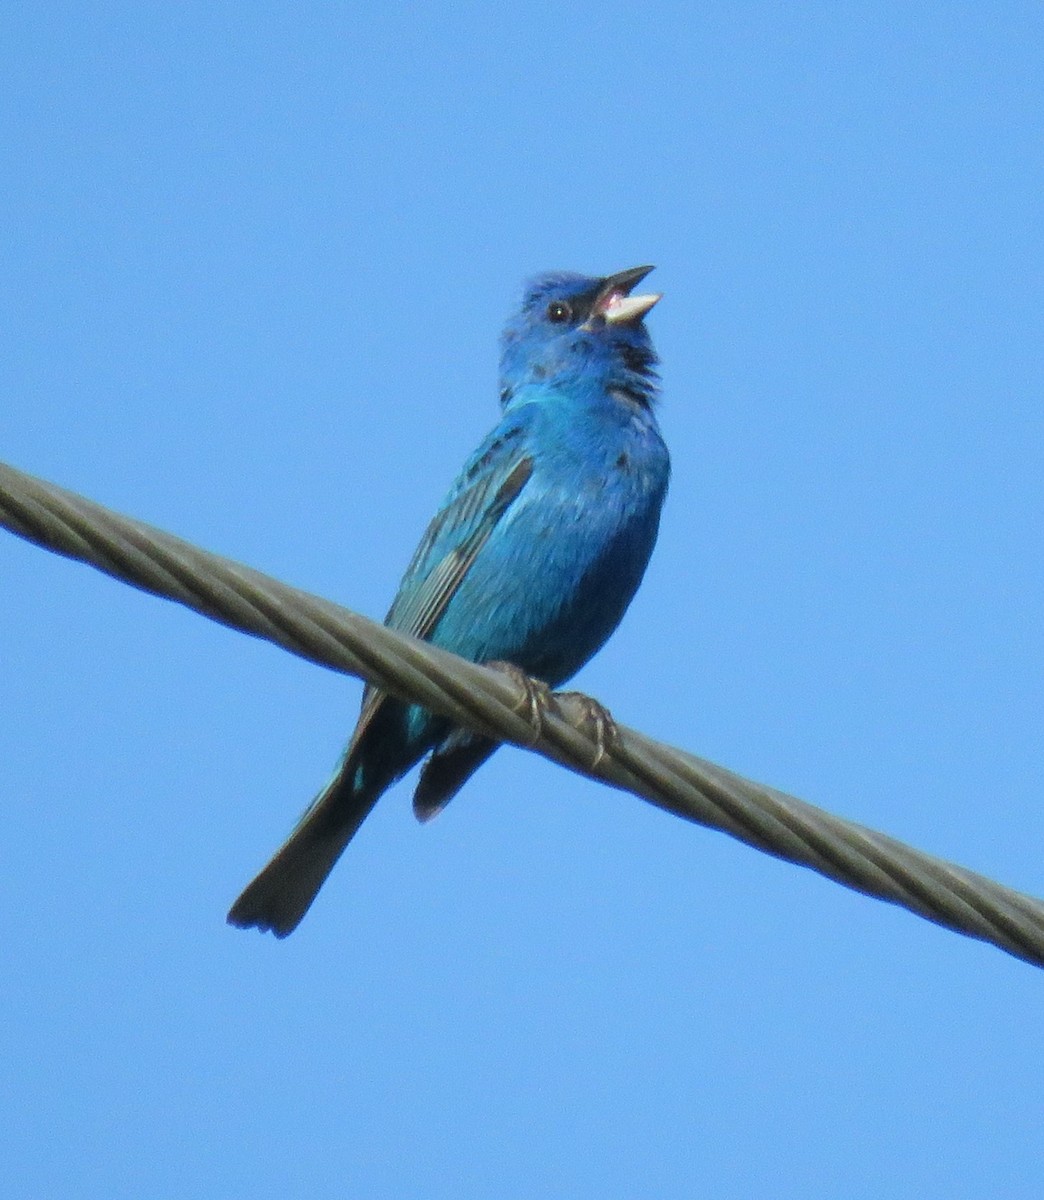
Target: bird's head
(582,334)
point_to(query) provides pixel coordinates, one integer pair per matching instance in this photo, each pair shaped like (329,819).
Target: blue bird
(532,559)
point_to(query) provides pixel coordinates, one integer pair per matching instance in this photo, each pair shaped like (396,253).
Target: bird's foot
(537,697)
(587,715)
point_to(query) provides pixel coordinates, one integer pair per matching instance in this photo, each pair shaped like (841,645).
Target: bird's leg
(585,714)
(537,696)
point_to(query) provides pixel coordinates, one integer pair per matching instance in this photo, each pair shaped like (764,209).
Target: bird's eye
(559,312)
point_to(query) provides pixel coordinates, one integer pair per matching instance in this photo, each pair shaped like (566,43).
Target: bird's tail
(278,898)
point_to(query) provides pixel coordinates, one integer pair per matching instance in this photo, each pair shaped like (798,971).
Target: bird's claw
(537,697)
(585,714)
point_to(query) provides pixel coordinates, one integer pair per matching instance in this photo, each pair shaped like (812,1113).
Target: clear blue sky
(255,259)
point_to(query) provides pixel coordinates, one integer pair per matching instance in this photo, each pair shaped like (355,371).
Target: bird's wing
(491,481)
(451,765)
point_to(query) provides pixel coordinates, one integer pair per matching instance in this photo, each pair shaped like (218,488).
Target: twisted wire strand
(493,704)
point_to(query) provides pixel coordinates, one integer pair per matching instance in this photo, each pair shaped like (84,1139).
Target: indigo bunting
(532,559)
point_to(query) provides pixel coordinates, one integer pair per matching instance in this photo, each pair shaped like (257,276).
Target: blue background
(255,259)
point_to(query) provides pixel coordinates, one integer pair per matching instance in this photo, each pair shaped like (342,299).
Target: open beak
(615,302)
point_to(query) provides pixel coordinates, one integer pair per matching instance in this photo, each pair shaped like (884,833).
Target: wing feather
(489,484)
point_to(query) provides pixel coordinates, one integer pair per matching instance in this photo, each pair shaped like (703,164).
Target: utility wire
(491,703)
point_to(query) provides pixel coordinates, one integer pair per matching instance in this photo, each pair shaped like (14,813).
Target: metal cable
(492,703)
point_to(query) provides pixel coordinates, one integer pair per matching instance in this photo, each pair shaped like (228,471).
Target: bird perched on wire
(531,561)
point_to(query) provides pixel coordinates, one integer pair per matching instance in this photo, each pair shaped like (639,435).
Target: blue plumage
(532,558)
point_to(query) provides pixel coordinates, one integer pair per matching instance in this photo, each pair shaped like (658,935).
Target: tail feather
(278,898)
